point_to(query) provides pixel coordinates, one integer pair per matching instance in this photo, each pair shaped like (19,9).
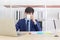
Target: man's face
(30,14)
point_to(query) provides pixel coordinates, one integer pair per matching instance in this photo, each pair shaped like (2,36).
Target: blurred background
(45,11)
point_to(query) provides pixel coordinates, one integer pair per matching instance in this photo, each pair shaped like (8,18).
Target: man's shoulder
(22,19)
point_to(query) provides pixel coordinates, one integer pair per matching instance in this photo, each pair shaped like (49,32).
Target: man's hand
(33,19)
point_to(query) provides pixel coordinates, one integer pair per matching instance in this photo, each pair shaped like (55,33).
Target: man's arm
(37,26)
(17,25)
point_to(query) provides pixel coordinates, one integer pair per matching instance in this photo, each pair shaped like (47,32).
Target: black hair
(29,10)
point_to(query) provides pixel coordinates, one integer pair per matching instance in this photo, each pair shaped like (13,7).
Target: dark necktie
(28,25)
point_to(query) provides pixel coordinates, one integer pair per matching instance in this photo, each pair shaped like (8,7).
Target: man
(34,25)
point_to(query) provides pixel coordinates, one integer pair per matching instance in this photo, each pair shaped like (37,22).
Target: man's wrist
(35,22)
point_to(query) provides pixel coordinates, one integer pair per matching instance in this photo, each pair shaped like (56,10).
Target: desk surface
(31,37)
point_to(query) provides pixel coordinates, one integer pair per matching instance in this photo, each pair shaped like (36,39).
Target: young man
(34,25)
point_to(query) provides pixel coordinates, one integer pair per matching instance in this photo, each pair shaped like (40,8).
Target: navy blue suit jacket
(21,25)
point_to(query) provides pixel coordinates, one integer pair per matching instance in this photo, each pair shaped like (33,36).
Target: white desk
(31,37)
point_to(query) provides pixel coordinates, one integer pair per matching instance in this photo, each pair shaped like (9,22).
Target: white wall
(53,13)
(11,11)
(28,2)
(35,2)
(53,2)
(20,2)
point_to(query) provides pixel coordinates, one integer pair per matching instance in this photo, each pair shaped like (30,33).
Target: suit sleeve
(17,25)
(37,26)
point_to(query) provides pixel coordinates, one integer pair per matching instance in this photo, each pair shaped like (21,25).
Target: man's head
(29,11)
